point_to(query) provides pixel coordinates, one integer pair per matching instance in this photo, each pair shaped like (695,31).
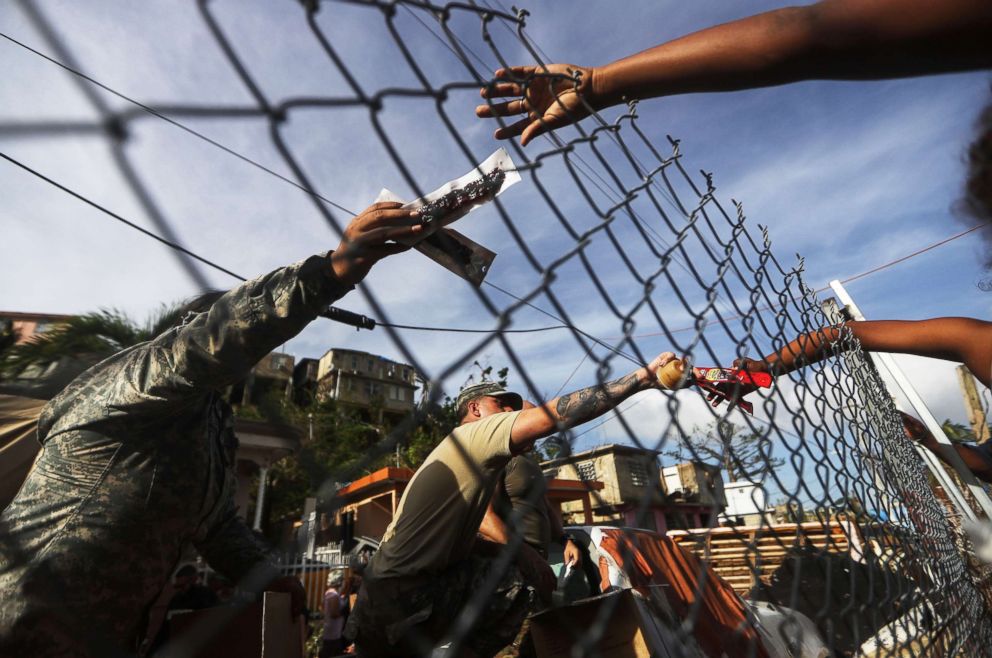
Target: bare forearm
(586,404)
(835,39)
(804,350)
(965,340)
(576,408)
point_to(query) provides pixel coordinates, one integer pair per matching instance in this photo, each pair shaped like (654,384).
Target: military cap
(490,389)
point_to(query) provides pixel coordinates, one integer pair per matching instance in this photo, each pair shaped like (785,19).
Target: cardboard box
(258,630)
(620,622)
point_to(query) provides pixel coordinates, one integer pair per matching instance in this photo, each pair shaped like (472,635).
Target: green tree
(958,432)
(89,338)
(342,446)
(743,453)
(8,337)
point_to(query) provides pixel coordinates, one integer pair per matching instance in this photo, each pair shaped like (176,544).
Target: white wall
(744,498)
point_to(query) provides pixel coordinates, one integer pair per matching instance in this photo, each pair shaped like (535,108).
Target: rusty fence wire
(862,555)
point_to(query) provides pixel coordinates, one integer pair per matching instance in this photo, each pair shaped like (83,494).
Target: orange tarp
(719,623)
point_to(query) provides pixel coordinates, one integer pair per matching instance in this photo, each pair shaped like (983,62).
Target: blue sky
(850,175)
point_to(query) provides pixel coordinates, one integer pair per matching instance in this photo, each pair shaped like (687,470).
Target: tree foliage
(744,454)
(90,338)
(958,432)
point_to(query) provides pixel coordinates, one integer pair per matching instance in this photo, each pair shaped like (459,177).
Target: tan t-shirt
(440,511)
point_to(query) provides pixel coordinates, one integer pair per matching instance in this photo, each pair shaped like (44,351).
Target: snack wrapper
(451,202)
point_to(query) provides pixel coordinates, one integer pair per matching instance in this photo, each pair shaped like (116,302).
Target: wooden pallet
(742,555)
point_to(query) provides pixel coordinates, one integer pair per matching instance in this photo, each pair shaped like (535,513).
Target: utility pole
(973,404)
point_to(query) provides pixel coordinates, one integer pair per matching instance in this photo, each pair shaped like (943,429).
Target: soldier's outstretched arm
(573,409)
(219,347)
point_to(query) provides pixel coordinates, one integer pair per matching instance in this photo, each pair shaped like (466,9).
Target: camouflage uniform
(137,462)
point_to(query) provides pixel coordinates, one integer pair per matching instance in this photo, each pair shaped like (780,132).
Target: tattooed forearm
(588,403)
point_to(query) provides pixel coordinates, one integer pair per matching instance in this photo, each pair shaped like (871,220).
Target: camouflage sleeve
(218,348)
(234,550)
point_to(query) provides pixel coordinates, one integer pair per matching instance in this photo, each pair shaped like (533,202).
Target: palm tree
(8,337)
(957,432)
(83,340)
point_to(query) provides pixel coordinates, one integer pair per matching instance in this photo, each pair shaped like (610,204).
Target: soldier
(137,462)
(430,567)
(520,506)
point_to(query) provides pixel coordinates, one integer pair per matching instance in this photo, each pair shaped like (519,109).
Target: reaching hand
(659,362)
(735,392)
(551,97)
(367,238)
(572,554)
(914,428)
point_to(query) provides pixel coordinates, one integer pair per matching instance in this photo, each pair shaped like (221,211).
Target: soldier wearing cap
(431,569)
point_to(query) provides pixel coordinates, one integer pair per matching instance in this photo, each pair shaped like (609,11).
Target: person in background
(978,458)
(332,641)
(521,507)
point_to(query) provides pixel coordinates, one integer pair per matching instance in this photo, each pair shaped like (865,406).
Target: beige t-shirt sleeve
(487,442)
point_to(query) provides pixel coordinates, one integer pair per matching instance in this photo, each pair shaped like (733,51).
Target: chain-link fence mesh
(613,231)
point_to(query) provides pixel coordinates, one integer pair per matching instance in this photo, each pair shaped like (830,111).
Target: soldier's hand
(551,98)
(649,374)
(370,237)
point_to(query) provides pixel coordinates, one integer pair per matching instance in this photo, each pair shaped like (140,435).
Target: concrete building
(378,387)
(630,477)
(747,504)
(272,376)
(695,494)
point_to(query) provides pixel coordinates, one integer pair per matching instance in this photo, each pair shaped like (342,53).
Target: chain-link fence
(845,540)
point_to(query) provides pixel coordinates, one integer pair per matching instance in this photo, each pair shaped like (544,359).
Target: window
(638,473)
(587,470)
(354,363)
(371,366)
(372,389)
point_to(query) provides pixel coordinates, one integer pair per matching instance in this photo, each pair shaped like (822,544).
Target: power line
(152,111)
(168,243)
(456,330)
(564,324)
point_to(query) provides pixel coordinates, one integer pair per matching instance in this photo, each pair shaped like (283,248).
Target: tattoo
(588,403)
